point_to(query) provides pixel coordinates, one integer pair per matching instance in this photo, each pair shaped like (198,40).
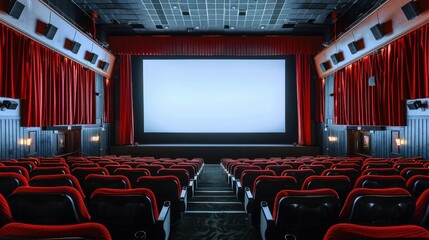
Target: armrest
(183,199)
(237,188)
(164,221)
(248,200)
(267,222)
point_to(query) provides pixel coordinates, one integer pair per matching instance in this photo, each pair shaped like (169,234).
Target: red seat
(57,180)
(347,231)
(112,167)
(299,175)
(166,188)
(377,181)
(48,205)
(16,169)
(128,211)
(11,181)
(412,171)
(5,215)
(380,171)
(153,168)
(29,165)
(341,184)
(81,172)
(278,169)
(49,171)
(305,214)
(265,189)
(95,181)
(351,173)
(416,185)
(378,207)
(132,174)
(421,214)
(317,168)
(80,231)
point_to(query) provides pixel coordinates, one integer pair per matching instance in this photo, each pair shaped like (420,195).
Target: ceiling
(220,17)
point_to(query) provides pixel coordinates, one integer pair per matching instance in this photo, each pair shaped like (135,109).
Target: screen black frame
(291,129)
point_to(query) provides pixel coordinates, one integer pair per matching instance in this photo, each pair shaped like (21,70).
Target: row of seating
(135,200)
(281,205)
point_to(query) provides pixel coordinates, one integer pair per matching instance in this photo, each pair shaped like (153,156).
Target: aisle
(214,212)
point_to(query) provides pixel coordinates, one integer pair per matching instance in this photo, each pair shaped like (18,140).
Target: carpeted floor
(214,212)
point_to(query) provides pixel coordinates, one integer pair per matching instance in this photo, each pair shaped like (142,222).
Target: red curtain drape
(54,90)
(401,72)
(215,45)
(303,47)
(303,87)
(126,115)
(108,101)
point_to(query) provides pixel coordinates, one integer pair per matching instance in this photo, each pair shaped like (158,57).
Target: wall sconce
(95,138)
(332,138)
(25,141)
(400,141)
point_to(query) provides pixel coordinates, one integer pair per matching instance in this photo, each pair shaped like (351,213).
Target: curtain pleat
(303,86)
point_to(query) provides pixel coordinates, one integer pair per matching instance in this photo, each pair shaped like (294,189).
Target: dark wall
(382,139)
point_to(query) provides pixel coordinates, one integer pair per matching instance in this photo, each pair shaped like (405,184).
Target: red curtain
(303,96)
(54,90)
(215,45)
(126,115)
(108,101)
(401,72)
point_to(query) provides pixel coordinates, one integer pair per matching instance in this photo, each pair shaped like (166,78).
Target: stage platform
(213,153)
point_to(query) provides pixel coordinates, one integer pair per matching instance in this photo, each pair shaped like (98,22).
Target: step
(215,206)
(214,198)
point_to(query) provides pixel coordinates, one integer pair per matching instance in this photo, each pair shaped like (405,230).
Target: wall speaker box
(353,46)
(325,66)
(411,10)
(15,9)
(74,47)
(50,31)
(335,58)
(378,31)
(413,105)
(103,65)
(91,57)
(9,104)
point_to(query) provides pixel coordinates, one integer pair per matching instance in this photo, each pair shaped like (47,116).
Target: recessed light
(262,27)
(233,7)
(166,27)
(197,27)
(174,7)
(232,28)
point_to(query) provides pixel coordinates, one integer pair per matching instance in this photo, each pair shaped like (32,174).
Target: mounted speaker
(103,65)
(74,47)
(378,31)
(336,58)
(50,31)
(353,46)
(10,104)
(413,105)
(325,66)
(411,10)
(91,57)
(15,8)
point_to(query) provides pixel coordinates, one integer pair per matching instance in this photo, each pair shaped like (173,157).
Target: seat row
(124,212)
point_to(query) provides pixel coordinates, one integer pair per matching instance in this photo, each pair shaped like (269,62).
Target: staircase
(214,212)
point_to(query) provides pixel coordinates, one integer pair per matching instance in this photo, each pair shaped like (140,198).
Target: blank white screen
(214,96)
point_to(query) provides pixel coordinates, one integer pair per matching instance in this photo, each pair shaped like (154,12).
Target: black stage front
(213,153)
